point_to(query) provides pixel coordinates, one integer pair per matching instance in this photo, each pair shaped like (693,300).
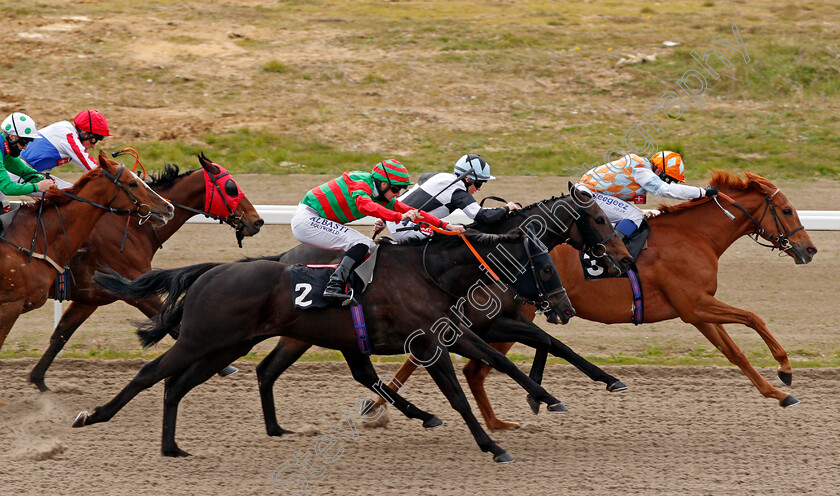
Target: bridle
(144,215)
(139,211)
(781,240)
(542,304)
(591,245)
(233,220)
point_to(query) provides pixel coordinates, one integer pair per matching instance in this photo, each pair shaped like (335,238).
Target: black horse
(407,296)
(573,219)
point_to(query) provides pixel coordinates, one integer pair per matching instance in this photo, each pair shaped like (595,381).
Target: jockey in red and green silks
(320,217)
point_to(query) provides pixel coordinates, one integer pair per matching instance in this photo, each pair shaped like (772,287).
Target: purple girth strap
(638,298)
(361,330)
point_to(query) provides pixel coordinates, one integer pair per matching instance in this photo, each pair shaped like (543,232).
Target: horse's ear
(571,186)
(207,164)
(105,161)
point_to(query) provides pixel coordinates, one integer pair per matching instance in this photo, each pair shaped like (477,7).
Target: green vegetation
(531,85)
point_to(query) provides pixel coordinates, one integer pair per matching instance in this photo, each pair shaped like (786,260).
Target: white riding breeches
(618,210)
(310,228)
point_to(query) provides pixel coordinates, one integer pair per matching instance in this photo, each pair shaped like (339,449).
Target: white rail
(813,220)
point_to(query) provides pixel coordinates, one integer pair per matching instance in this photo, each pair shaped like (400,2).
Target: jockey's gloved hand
(711,191)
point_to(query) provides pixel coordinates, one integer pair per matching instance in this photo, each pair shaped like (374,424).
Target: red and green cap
(392,172)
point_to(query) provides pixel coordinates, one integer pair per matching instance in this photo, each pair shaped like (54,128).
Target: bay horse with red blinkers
(128,248)
(46,233)
(678,272)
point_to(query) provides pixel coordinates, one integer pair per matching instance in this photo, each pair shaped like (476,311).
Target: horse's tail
(176,282)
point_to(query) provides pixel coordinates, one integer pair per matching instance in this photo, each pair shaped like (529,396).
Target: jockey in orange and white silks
(629,179)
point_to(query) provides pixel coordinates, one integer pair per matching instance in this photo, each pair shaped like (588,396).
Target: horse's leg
(287,352)
(9,314)
(75,315)
(719,337)
(714,311)
(178,385)
(475,373)
(396,383)
(365,374)
(443,373)
(471,346)
(526,332)
(172,362)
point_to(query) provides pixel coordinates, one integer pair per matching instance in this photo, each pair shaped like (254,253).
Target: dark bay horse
(129,247)
(678,271)
(233,306)
(56,226)
(575,220)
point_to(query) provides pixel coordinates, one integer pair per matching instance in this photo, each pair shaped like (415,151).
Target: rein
(119,211)
(542,306)
(781,239)
(40,223)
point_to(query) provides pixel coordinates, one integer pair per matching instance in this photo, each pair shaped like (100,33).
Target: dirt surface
(676,431)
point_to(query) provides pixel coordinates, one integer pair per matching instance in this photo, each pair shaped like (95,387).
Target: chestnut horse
(678,271)
(129,247)
(45,234)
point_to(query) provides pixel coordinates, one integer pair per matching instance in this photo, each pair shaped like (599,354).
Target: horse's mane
(521,210)
(55,197)
(167,177)
(474,236)
(722,180)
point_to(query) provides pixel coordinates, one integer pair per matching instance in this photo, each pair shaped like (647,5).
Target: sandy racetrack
(678,430)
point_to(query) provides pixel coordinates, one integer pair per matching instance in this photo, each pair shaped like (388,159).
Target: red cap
(91,121)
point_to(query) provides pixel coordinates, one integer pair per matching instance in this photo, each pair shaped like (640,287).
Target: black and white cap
(474,166)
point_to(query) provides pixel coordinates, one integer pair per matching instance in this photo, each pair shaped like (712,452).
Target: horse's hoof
(786,378)
(503,457)
(175,453)
(277,432)
(81,418)
(39,383)
(789,401)
(366,407)
(534,404)
(557,408)
(433,423)
(229,370)
(616,386)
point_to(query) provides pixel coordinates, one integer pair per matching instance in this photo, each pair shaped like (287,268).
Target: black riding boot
(354,256)
(338,280)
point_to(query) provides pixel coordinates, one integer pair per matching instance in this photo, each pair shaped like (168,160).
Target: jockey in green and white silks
(16,132)
(320,217)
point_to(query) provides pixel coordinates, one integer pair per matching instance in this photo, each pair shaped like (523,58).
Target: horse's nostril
(811,250)
(259,223)
(569,312)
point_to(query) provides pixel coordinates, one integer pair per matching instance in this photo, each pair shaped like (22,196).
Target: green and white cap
(20,125)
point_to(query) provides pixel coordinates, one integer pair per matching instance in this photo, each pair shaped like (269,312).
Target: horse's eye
(600,220)
(132,184)
(547,271)
(787,211)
